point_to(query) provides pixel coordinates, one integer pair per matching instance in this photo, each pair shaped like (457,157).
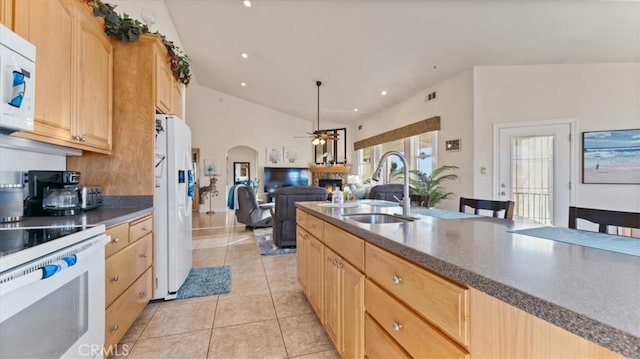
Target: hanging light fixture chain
(318,83)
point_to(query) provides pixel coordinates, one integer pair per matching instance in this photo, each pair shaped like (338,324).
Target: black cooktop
(16,239)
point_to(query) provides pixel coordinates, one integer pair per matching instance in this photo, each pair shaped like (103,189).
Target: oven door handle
(50,270)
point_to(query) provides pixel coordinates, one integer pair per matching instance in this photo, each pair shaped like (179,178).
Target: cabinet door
(352,312)
(302,241)
(93,83)
(6,13)
(176,98)
(332,296)
(49,26)
(163,83)
(315,271)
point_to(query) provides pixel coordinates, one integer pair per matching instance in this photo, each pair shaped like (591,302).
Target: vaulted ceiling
(359,48)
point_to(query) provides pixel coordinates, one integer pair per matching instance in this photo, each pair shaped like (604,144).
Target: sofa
(284,215)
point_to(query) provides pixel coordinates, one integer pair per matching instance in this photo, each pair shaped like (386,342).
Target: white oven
(53,306)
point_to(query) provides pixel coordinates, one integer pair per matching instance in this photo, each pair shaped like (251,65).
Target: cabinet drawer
(124,267)
(124,311)
(378,344)
(442,302)
(140,229)
(418,338)
(314,226)
(301,218)
(119,239)
(349,246)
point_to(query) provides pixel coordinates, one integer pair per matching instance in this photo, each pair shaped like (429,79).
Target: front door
(534,170)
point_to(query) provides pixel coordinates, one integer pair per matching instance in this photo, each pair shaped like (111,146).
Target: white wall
(598,96)
(220,122)
(454,105)
(163,23)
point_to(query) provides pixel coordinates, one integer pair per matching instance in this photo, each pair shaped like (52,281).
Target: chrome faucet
(406,201)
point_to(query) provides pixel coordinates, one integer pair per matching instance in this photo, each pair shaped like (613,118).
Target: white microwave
(17,82)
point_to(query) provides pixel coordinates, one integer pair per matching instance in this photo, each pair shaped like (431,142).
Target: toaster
(90,197)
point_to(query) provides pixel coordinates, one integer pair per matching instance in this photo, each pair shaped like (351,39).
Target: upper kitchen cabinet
(6,13)
(176,98)
(164,86)
(142,87)
(74,73)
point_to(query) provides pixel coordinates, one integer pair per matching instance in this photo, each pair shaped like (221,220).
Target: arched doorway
(241,154)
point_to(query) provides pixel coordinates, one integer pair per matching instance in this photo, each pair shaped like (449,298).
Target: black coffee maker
(53,193)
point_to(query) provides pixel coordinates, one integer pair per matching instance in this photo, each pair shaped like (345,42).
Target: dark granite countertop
(106,216)
(590,292)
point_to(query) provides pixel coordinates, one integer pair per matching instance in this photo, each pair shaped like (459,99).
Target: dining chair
(490,205)
(604,218)
(421,200)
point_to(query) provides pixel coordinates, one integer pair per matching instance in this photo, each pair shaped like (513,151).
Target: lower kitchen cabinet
(415,335)
(378,344)
(352,312)
(333,285)
(315,251)
(376,304)
(129,275)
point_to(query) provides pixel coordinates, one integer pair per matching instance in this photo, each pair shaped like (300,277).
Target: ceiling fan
(320,137)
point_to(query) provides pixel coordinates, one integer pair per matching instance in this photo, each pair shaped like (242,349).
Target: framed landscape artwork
(611,157)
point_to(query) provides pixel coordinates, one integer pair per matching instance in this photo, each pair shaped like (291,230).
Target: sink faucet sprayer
(406,201)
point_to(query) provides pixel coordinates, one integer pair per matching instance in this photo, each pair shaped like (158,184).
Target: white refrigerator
(172,205)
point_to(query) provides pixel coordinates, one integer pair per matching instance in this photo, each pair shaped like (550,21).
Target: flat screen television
(277,177)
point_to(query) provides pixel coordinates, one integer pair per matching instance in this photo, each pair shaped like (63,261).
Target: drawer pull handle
(396,326)
(115,327)
(312,225)
(338,264)
(396,279)
(335,262)
(145,228)
(143,293)
(115,240)
(115,278)
(143,255)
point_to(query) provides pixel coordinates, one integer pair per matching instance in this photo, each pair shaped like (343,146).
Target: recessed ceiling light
(247,3)
(355,109)
(243,84)
(383,92)
(244,55)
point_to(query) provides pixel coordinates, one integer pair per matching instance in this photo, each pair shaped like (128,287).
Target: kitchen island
(588,292)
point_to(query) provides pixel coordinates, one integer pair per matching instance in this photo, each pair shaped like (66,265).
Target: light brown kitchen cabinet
(376,304)
(94,96)
(6,13)
(164,85)
(332,295)
(352,288)
(73,73)
(416,336)
(331,281)
(315,256)
(176,98)
(302,239)
(128,275)
(130,168)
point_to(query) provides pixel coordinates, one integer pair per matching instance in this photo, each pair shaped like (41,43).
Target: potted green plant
(431,184)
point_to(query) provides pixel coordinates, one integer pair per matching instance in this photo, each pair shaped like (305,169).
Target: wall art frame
(611,157)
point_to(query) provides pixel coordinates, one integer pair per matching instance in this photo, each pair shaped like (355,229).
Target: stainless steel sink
(374,218)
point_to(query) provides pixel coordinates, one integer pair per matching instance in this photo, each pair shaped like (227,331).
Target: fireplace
(330,184)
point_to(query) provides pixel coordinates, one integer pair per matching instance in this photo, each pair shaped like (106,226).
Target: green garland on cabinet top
(127,29)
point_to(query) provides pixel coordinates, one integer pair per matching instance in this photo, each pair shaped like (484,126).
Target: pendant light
(317,139)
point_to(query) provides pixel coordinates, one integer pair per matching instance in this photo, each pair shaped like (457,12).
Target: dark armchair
(284,216)
(251,213)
